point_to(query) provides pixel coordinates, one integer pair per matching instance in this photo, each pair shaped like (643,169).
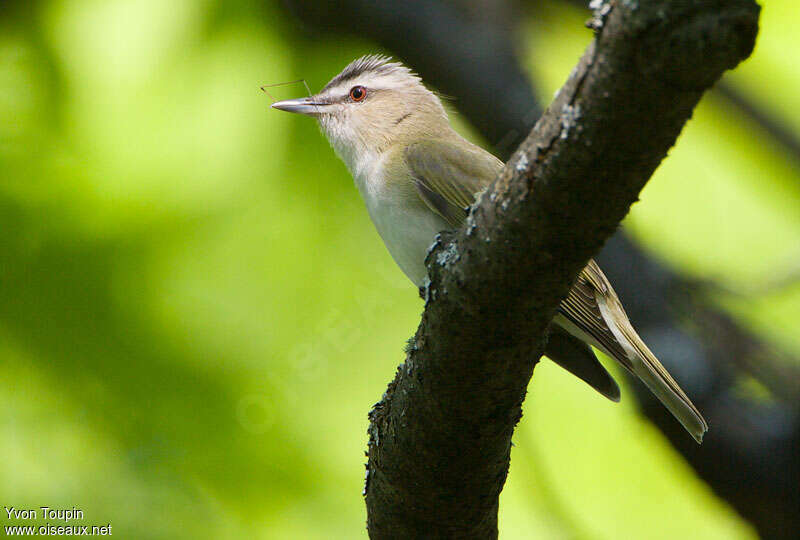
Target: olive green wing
(449,173)
(581,308)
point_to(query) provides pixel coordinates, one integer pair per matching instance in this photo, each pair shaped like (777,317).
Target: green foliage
(196,313)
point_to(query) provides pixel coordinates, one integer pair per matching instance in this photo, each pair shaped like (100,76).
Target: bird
(418,177)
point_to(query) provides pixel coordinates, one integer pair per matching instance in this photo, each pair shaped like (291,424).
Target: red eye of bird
(357,93)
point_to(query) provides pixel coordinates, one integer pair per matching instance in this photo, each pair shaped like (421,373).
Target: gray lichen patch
(428,292)
(569,118)
(366,480)
(436,241)
(448,255)
(471,228)
(522,163)
(600,8)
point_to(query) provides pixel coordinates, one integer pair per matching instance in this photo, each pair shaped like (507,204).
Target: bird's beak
(305,106)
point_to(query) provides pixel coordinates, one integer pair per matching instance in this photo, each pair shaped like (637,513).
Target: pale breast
(406,225)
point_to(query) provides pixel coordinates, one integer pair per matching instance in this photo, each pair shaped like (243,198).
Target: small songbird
(417,177)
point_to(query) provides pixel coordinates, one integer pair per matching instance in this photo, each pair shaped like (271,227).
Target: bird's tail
(643,363)
(592,312)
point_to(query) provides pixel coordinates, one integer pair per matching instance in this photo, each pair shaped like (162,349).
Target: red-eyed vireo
(417,177)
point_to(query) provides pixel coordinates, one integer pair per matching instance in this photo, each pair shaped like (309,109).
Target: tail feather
(593,313)
(649,370)
(578,358)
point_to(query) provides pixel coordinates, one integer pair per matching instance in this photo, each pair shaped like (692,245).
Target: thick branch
(440,438)
(762,490)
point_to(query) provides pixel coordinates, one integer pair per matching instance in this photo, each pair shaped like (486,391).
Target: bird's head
(370,106)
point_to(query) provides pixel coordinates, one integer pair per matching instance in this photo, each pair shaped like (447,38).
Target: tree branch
(773,125)
(440,438)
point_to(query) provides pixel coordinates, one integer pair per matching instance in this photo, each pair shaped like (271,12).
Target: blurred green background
(196,313)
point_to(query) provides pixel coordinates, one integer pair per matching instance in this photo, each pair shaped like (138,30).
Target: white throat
(407,230)
(363,162)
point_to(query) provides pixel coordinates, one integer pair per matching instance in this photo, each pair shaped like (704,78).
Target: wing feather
(448,176)
(581,308)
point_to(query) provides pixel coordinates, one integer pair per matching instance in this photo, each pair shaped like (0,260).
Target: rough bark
(698,343)
(440,438)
